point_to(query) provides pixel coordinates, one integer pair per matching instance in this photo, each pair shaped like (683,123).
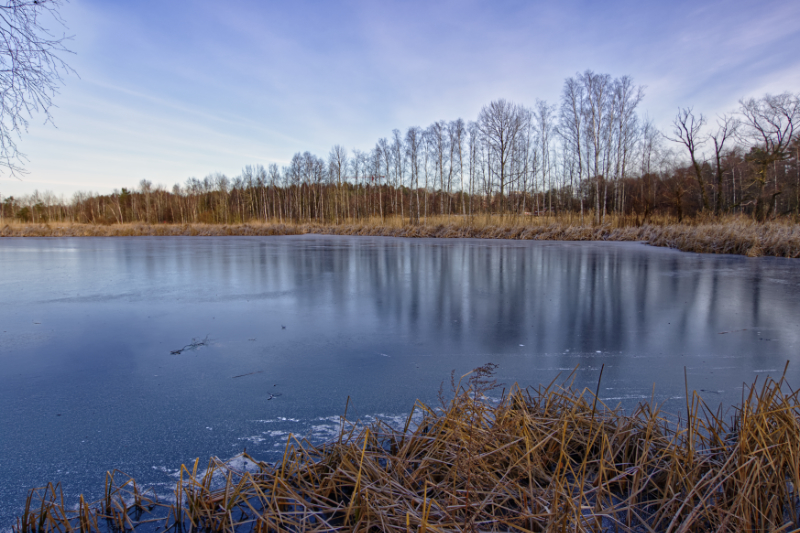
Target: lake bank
(537,459)
(727,236)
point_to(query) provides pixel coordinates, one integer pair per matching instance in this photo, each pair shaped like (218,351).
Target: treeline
(591,155)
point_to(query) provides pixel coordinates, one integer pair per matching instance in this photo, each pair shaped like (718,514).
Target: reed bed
(546,459)
(730,235)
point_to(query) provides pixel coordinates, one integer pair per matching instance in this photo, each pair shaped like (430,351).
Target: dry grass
(550,459)
(729,235)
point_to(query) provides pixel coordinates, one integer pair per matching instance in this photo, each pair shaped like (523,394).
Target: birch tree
(596,108)
(571,128)
(500,122)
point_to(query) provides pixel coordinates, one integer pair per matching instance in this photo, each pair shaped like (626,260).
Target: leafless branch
(31,70)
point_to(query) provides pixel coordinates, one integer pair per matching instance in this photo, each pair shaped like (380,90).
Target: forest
(592,155)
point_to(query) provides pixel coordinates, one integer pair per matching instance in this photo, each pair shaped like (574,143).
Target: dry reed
(730,235)
(549,459)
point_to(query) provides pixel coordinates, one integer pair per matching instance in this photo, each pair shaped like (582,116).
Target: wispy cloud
(173,89)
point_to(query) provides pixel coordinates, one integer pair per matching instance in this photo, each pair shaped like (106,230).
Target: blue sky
(179,88)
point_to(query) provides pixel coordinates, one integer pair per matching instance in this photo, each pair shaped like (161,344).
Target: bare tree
(597,88)
(545,124)
(650,153)
(501,123)
(31,70)
(726,129)
(274,177)
(376,158)
(571,126)
(399,160)
(627,98)
(385,155)
(437,137)
(475,163)
(530,160)
(337,162)
(413,143)
(146,187)
(457,131)
(357,169)
(427,152)
(769,122)
(686,131)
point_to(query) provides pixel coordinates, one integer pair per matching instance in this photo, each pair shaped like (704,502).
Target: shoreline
(541,458)
(739,237)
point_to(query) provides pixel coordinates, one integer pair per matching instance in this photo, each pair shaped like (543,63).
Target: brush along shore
(545,459)
(731,235)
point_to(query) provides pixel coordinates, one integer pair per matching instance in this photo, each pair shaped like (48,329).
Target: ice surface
(302,323)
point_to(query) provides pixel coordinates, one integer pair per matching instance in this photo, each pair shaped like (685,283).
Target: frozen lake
(295,325)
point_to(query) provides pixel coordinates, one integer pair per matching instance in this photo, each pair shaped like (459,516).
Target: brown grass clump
(549,459)
(736,236)
(730,235)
